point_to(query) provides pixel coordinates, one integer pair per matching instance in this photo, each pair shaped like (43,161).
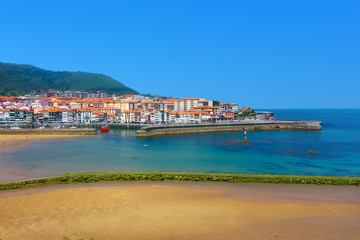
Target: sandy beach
(10,141)
(7,140)
(180,211)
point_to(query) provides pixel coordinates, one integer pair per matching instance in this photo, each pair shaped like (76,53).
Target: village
(79,107)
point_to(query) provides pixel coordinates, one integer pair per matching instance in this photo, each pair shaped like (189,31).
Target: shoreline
(8,141)
(14,137)
(182,176)
(60,131)
(173,210)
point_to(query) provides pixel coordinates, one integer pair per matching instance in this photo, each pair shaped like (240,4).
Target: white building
(4,115)
(228,107)
(186,104)
(190,117)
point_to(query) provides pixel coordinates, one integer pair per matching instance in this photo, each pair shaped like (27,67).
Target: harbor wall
(29,131)
(228,127)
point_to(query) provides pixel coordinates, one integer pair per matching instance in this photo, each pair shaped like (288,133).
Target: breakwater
(228,127)
(67,131)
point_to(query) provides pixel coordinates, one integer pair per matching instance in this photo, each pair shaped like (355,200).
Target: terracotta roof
(228,103)
(187,98)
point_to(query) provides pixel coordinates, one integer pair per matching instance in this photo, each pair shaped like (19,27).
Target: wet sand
(7,141)
(181,211)
(11,141)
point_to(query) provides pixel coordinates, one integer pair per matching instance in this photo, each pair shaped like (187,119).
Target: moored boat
(104,128)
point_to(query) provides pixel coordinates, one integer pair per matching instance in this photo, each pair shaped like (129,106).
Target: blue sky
(264,54)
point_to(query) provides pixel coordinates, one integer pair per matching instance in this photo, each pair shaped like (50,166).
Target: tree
(216,103)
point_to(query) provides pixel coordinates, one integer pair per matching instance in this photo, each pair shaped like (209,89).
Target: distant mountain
(17,79)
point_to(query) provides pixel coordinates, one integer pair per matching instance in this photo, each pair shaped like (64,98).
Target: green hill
(18,79)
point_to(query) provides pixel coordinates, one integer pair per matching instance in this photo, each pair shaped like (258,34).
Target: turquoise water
(338,145)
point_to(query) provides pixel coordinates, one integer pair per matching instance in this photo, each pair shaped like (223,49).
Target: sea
(281,152)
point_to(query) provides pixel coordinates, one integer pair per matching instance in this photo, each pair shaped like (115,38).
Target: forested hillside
(18,79)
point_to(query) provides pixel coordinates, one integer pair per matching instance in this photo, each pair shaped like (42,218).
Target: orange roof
(187,98)
(206,107)
(109,108)
(130,101)
(228,103)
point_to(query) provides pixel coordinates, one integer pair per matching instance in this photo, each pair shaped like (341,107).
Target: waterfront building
(186,104)
(135,116)
(42,116)
(208,117)
(265,115)
(208,109)
(160,116)
(110,110)
(190,117)
(111,117)
(229,115)
(205,103)
(66,116)
(228,107)
(123,109)
(4,115)
(126,116)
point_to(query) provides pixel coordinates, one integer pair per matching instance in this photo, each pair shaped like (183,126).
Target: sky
(262,54)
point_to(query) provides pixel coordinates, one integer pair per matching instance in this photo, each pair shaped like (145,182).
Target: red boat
(104,128)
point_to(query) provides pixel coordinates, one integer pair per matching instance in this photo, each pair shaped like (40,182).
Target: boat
(104,128)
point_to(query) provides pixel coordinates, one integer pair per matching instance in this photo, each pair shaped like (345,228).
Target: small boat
(104,128)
